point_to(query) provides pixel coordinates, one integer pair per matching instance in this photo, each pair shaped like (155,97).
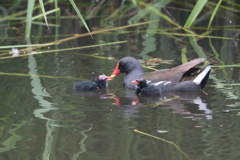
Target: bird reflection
(190,104)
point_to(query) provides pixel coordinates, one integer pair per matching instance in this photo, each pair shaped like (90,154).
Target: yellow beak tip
(112,76)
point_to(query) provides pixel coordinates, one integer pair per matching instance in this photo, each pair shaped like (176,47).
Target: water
(43,118)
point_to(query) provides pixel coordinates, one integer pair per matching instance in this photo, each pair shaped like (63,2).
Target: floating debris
(162,131)
(226,111)
(15,52)
(155,61)
(110,58)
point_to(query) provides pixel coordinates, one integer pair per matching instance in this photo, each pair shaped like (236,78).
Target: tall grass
(125,7)
(29,18)
(153,10)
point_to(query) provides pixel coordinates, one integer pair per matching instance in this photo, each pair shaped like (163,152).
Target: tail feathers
(202,78)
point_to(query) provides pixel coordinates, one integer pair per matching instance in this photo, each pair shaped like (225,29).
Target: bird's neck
(133,75)
(137,91)
(101,84)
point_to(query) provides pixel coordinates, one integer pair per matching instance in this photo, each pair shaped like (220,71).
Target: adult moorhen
(92,85)
(133,69)
(146,88)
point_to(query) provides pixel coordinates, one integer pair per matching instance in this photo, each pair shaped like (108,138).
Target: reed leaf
(183,54)
(217,57)
(66,49)
(196,47)
(159,13)
(162,102)
(86,34)
(134,2)
(164,140)
(195,12)
(19,13)
(227,7)
(210,41)
(46,13)
(225,66)
(214,13)
(30,8)
(43,11)
(57,15)
(80,16)
(200,36)
(33,75)
(225,85)
(95,56)
(148,9)
(44,24)
(19,46)
(167,18)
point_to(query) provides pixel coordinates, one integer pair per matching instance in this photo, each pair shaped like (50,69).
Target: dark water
(43,118)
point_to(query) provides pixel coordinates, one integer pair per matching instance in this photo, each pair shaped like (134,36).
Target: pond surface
(43,118)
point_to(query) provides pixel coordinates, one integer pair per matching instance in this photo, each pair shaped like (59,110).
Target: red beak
(116,71)
(108,78)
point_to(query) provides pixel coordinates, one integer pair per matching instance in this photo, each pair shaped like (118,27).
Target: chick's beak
(135,82)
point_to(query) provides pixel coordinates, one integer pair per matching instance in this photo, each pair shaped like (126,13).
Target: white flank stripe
(167,83)
(148,81)
(156,84)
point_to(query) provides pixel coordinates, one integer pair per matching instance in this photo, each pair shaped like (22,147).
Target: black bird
(134,70)
(92,85)
(147,88)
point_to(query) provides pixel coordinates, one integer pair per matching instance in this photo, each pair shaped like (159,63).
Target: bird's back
(87,85)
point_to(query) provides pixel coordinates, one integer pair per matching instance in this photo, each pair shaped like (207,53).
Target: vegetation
(164,9)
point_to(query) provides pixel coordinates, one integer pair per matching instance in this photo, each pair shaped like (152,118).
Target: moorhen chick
(92,85)
(147,88)
(133,69)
